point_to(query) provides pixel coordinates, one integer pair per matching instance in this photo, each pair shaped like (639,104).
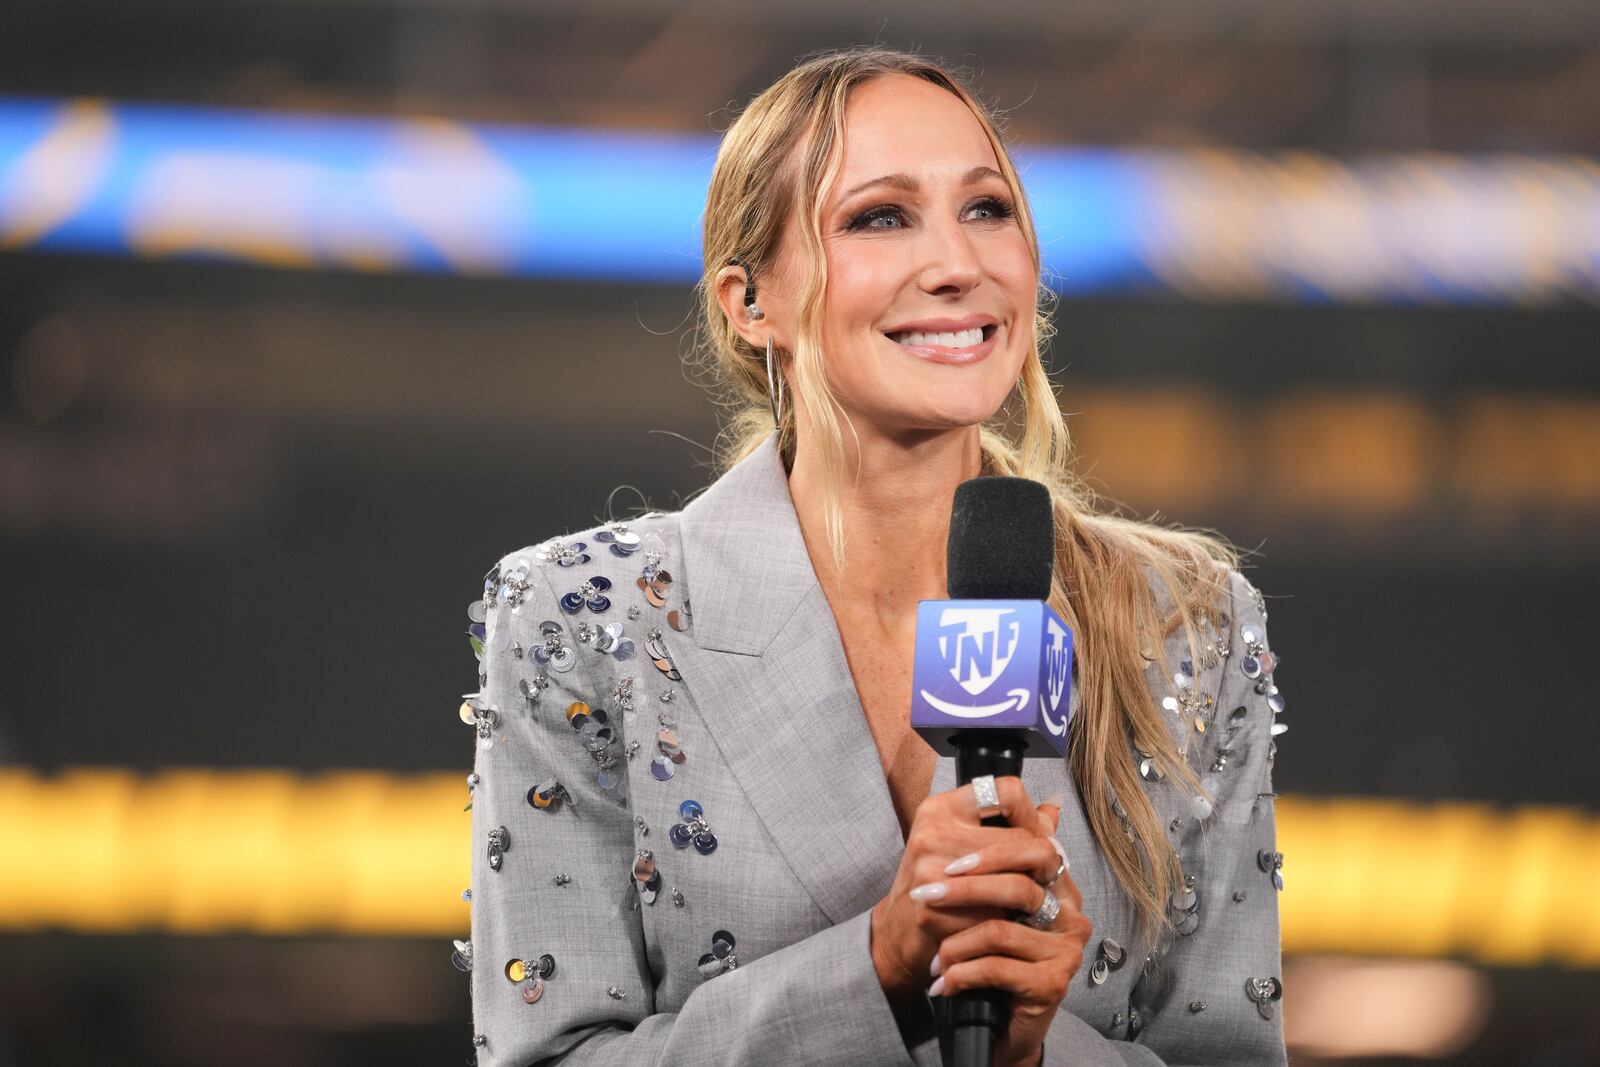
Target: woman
(703,830)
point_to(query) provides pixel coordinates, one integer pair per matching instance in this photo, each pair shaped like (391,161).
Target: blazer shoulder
(598,548)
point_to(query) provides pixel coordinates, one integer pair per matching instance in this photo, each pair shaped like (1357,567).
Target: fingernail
(1058,799)
(1061,852)
(931,891)
(937,966)
(962,865)
(936,988)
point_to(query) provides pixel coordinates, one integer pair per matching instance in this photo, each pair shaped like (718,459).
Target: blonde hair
(778,161)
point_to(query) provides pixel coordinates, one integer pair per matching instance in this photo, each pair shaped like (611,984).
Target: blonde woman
(703,831)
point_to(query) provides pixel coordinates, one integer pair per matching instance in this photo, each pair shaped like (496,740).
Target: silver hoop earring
(774,390)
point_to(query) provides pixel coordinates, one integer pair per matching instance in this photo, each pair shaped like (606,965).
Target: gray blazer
(767,734)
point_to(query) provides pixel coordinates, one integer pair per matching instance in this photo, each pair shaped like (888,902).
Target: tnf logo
(977,644)
(1056,661)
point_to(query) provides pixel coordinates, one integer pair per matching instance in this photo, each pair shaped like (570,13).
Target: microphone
(992,672)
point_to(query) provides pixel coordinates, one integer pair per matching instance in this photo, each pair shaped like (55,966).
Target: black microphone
(992,673)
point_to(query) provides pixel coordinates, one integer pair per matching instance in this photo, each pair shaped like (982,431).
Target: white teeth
(956,339)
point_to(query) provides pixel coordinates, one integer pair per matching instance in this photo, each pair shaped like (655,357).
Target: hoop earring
(774,390)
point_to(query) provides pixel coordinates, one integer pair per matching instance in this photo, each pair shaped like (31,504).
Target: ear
(730,282)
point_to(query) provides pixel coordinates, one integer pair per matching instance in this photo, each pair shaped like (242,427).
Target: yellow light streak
(200,851)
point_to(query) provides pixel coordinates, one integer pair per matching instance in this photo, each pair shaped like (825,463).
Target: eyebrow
(909,184)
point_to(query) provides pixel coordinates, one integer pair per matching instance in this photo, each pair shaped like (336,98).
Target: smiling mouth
(952,339)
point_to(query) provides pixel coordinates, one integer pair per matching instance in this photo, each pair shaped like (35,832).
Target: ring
(987,796)
(1044,914)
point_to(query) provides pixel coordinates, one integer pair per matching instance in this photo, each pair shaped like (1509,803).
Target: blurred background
(297,298)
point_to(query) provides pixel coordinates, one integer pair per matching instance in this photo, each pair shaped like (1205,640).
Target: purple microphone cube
(992,665)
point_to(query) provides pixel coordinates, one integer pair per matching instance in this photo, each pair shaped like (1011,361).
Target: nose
(951,267)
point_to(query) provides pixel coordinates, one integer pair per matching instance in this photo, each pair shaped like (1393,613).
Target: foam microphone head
(1002,540)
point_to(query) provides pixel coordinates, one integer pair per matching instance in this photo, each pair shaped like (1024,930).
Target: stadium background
(297,298)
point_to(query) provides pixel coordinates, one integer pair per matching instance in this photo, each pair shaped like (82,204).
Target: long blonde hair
(778,160)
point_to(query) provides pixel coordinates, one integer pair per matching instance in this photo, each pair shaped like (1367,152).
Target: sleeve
(554,888)
(1211,994)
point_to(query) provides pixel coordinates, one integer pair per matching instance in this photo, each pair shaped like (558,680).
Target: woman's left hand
(1033,965)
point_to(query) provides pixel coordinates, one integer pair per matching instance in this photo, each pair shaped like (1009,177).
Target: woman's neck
(896,520)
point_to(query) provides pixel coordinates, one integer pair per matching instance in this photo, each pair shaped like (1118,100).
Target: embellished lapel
(766,668)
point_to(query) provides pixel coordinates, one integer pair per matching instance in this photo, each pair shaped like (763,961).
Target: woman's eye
(878,218)
(992,207)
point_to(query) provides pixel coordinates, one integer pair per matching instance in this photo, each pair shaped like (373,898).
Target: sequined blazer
(680,822)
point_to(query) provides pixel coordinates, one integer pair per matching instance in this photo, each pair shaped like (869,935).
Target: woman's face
(931,290)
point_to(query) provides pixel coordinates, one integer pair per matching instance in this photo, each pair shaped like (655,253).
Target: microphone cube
(992,665)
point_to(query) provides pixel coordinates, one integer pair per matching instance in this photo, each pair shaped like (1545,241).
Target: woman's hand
(1033,965)
(965,875)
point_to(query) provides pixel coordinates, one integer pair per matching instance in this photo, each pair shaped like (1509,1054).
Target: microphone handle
(978,1014)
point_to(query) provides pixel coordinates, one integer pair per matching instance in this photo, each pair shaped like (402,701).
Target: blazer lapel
(766,668)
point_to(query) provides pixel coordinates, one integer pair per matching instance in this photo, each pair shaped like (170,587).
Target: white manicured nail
(962,865)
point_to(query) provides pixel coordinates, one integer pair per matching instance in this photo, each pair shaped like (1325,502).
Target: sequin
(680,619)
(646,876)
(1185,903)
(461,957)
(1099,971)
(548,795)
(530,688)
(721,957)
(591,595)
(661,768)
(553,651)
(509,587)
(619,539)
(570,554)
(1272,863)
(658,654)
(609,640)
(644,865)
(499,845)
(669,745)
(693,830)
(530,975)
(655,588)
(1265,992)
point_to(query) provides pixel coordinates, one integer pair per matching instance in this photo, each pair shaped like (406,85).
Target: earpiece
(752,310)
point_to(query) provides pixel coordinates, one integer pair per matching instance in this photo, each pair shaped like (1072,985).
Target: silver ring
(1044,914)
(987,796)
